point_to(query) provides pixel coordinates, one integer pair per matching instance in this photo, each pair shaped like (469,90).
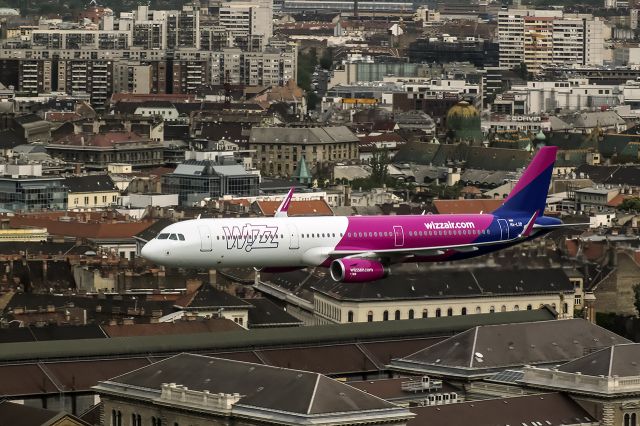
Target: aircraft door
(504,229)
(398,234)
(205,238)
(294,238)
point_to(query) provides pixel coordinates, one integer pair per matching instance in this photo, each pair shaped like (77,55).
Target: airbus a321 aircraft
(359,248)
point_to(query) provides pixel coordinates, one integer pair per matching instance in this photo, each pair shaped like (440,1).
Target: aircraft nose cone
(148,253)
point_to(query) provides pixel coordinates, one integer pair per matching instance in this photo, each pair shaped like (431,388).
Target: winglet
(284,206)
(529,226)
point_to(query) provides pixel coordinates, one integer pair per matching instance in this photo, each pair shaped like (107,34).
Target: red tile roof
(466,206)
(85,224)
(103,140)
(61,117)
(297,208)
(618,199)
(382,137)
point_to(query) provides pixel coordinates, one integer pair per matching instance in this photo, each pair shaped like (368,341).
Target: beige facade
(92,200)
(277,151)
(329,310)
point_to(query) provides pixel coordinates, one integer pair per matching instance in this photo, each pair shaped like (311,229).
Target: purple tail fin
(529,196)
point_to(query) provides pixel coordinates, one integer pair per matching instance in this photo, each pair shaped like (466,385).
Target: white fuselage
(255,242)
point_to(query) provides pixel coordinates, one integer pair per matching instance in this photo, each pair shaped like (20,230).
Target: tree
(630,204)
(636,297)
(379,163)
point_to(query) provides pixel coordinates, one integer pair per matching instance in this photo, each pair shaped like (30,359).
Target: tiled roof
(267,314)
(486,348)
(302,135)
(15,414)
(549,409)
(167,329)
(103,140)
(297,208)
(260,386)
(616,361)
(90,183)
(209,297)
(466,206)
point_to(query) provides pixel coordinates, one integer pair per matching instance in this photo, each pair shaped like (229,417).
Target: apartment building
(151,51)
(537,97)
(98,73)
(244,19)
(543,37)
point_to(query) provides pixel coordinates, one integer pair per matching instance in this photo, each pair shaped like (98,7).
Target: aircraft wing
(415,251)
(562,225)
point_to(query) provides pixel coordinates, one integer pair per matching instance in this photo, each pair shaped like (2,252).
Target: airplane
(359,248)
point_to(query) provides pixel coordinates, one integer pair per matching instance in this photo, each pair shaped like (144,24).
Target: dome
(463,122)
(462,109)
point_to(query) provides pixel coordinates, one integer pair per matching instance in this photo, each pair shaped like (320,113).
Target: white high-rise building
(248,18)
(544,37)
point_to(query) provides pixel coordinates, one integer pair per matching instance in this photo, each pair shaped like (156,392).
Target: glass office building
(195,180)
(32,193)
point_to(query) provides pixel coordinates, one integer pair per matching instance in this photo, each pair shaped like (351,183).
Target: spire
(302,173)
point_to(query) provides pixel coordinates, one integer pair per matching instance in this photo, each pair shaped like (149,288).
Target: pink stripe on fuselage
(424,231)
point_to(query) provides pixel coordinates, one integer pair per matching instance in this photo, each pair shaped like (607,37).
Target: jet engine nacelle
(357,270)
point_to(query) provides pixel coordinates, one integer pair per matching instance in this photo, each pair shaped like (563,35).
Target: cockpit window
(173,237)
(181,237)
(163,236)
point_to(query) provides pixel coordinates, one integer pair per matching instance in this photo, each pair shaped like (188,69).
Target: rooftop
(550,409)
(301,135)
(90,183)
(104,140)
(297,208)
(482,350)
(15,414)
(209,297)
(618,360)
(287,395)
(423,282)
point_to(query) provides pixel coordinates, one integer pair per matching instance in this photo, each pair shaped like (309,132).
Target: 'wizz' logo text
(251,237)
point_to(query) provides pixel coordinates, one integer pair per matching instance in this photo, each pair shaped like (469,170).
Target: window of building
(370,316)
(516,307)
(492,309)
(578,300)
(478,310)
(397,316)
(156,421)
(438,313)
(136,420)
(116,418)
(425,313)
(411,314)
(450,312)
(503,308)
(350,316)
(385,316)
(565,308)
(463,311)
(86,200)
